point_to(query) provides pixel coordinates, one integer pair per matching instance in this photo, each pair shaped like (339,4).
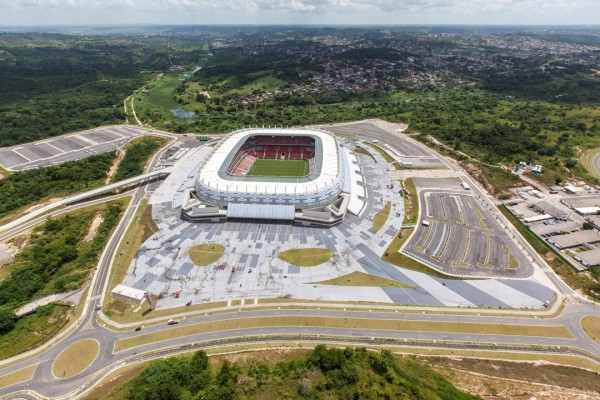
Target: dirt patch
(558,378)
(478,174)
(205,94)
(7,251)
(98,219)
(499,388)
(272,356)
(113,168)
(40,205)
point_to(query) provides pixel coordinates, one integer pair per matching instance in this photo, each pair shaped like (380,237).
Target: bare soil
(113,168)
(497,379)
(98,219)
(40,205)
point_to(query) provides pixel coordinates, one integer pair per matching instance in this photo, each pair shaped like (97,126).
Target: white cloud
(312,11)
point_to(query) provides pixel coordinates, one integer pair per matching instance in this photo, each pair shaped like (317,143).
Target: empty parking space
(69,147)
(458,236)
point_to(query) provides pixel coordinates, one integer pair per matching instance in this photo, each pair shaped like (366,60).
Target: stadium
(300,175)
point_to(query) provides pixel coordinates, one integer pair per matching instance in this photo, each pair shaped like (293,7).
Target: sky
(312,12)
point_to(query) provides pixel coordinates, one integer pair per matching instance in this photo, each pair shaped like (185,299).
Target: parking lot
(69,147)
(458,236)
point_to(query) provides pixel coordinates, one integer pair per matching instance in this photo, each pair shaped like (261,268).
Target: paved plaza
(162,265)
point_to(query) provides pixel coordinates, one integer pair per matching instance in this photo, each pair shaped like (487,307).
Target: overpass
(136,180)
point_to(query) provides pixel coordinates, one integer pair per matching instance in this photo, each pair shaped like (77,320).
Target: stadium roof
(327,165)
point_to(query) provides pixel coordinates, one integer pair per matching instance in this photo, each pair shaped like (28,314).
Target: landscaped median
(591,325)
(356,323)
(75,358)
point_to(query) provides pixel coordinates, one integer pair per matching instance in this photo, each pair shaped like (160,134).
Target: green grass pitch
(271,167)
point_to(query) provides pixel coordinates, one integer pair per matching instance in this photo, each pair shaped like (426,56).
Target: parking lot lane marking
(441,245)
(445,245)
(441,199)
(423,244)
(481,219)
(459,206)
(512,261)
(18,148)
(486,264)
(462,263)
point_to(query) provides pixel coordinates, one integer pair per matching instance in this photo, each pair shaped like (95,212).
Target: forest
(323,373)
(55,83)
(23,188)
(56,257)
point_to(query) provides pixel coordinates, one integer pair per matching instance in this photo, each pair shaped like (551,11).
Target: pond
(181,113)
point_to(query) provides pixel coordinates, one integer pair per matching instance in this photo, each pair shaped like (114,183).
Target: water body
(181,113)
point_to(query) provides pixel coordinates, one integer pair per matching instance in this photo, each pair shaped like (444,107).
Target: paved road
(44,383)
(594,163)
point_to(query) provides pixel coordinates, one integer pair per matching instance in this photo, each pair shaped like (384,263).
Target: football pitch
(271,167)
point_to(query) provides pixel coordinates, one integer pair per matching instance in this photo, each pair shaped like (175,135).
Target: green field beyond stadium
(271,167)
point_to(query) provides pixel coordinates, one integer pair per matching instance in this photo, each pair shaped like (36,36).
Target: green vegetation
(322,374)
(205,254)
(34,329)
(381,217)
(59,257)
(411,201)
(137,155)
(588,284)
(272,167)
(361,150)
(306,257)
(75,358)
(381,151)
(25,188)
(362,279)
(53,83)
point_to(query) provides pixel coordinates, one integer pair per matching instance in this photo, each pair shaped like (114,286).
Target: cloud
(318,11)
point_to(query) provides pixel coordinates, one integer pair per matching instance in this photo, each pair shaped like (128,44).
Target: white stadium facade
(226,189)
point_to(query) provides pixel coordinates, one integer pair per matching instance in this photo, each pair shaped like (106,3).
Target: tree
(7,320)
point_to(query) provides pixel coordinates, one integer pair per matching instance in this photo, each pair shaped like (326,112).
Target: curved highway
(44,383)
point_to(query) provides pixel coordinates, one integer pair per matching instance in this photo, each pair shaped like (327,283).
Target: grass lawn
(306,257)
(592,327)
(365,152)
(381,151)
(356,323)
(361,279)
(273,167)
(75,358)
(34,329)
(205,254)
(381,217)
